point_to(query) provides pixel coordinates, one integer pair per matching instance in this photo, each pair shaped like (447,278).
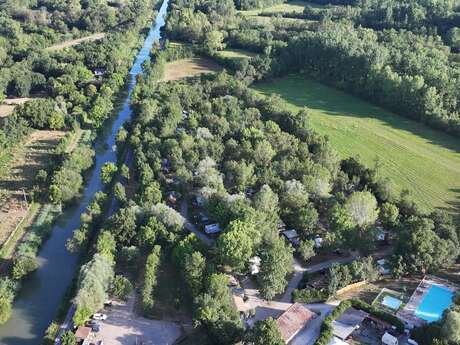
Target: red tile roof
(293,320)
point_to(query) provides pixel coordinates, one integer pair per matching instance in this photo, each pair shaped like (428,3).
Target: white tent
(388,339)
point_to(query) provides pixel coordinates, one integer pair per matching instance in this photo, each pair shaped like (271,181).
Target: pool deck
(407,315)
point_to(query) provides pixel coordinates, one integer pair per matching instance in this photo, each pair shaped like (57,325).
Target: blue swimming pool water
(391,302)
(434,303)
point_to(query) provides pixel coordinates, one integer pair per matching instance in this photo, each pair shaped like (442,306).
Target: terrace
(432,296)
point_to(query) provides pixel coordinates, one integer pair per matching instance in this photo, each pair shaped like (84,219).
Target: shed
(388,339)
(293,320)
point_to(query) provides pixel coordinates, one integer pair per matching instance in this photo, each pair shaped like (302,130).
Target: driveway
(308,335)
(192,228)
(123,327)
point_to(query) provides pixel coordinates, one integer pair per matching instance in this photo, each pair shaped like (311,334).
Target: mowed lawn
(414,156)
(291,6)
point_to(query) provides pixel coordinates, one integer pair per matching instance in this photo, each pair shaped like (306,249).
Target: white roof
(212,228)
(290,234)
(388,339)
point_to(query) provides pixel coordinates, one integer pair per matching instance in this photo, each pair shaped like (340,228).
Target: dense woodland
(256,166)
(67,95)
(403,65)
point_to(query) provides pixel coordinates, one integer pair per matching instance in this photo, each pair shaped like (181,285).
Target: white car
(99,316)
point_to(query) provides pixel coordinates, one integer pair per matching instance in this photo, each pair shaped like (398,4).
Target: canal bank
(42,292)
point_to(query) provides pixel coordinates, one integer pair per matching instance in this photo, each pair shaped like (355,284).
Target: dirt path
(77,41)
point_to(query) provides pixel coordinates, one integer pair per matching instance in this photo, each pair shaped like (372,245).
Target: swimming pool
(391,302)
(434,303)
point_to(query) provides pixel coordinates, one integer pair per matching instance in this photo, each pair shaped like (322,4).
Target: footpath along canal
(41,294)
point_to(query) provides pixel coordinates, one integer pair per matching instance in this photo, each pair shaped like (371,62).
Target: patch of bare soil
(189,67)
(8,105)
(34,154)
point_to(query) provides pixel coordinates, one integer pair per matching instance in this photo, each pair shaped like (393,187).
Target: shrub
(7,294)
(121,287)
(358,304)
(23,265)
(309,295)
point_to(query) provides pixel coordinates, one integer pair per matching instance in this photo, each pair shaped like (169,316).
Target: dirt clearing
(189,67)
(8,105)
(71,43)
(32,155)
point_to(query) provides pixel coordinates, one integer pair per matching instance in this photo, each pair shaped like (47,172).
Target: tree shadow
(303,92)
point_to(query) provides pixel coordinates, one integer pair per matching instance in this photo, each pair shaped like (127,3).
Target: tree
(215,310)
(451,327)
(265,332)
(194,269)
(306,249)
(151,194)
(108,170)
(276,263)
(7,294)
(235,246)
(123,224)
(106,245)
(121,287)
(23,265)
(389,215)
(119,192)
(68,338)
(214,41)
(93,284)
(362,207)
(150,278)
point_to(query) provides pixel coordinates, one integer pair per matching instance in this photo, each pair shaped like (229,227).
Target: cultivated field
(414,156)
(189,67)
(18,178)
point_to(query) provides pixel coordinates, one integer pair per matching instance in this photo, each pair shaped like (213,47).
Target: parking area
(123,327)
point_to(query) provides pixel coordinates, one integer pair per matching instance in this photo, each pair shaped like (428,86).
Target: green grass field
(415,157)
(291,6)
(237,53)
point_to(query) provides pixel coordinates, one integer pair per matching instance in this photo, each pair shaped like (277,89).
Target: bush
(121,287)
(309,295)
(23,265)
(51,332)
(7,294)
(382,315)
(326,328)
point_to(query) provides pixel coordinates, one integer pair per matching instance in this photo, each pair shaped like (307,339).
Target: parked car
(100,316)
(90,323)
(96,328)
(108,303)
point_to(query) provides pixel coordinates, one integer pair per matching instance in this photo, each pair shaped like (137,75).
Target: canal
(38,301)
